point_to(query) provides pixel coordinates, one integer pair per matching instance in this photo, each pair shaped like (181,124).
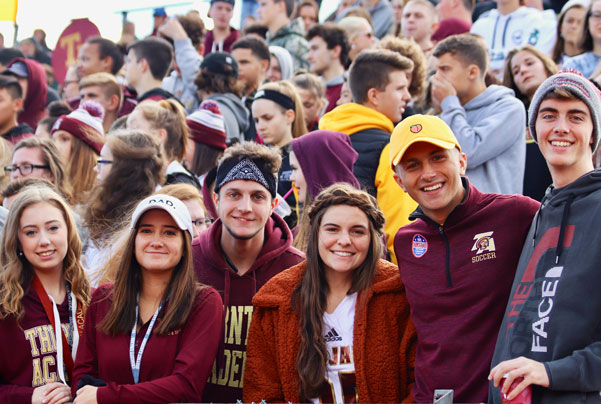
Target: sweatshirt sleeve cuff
(562,376)
(106,395)
(450,101)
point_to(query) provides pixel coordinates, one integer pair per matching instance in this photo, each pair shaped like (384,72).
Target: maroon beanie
(84,120)
(207,126)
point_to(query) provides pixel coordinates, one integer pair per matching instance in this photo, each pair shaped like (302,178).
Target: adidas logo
(333,336)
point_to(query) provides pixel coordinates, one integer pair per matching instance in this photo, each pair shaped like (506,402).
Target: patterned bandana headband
(247,170)
(281,99)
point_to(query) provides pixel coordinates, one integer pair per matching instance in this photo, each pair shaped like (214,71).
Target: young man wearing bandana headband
(245,247)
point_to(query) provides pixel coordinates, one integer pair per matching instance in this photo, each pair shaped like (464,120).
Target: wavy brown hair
(17,274)
(170,116)
(409,48)
(180,292)
(309,298)
(136,171)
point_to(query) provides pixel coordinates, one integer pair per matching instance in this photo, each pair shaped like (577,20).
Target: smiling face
(43,237)
(564,130)
(528,72)
(159,242)
(243,207)
(432,177)
(343,240)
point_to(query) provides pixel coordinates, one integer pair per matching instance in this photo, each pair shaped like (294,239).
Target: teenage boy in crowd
(104,89)
(11,103)
(457,260)
(289,34)
(550,334)
(252,55)
(488,121)
(148,61)
(378,80)
(100,55)
(245,247)
(223,35)
(419,21)
(328,57)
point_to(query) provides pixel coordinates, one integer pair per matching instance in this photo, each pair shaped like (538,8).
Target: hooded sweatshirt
(235,116)
(502,33)
(225,383)
(211,46)
(181,83)
(553,311)
(292,37)
(457,277)
(37,90)
(370,131)
(382,352)
(491,131)
(325,158)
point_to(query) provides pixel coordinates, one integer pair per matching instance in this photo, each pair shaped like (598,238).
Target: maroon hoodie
(28,350)
(37,90)
(174,367)
(225,386)
(227,44)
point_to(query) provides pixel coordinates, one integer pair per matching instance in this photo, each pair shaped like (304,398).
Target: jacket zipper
(448,256)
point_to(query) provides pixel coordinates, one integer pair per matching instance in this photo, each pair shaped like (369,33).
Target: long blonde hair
(16,273)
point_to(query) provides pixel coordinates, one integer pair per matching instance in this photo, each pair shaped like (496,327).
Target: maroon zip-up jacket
(458,277)
(174,367)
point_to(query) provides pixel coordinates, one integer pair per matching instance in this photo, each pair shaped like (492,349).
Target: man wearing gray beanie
(549,345)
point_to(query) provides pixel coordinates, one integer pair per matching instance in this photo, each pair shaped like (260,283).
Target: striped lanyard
(137,361)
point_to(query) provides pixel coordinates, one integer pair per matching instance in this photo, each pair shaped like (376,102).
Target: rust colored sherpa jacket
(383,341)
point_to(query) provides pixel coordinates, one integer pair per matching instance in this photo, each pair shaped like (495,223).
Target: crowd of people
(397,199)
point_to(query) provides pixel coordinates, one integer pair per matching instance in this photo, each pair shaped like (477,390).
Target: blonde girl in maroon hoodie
(41,283)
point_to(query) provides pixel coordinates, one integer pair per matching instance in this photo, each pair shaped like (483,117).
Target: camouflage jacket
(292,37)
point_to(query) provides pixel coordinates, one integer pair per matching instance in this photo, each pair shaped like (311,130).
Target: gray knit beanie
(574,82)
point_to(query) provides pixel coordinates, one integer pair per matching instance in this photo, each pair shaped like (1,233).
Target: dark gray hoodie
(235,116)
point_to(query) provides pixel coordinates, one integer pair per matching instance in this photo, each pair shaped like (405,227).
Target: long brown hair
(17,274)
(80,168)
(135,173)
(179,294)
(309,298)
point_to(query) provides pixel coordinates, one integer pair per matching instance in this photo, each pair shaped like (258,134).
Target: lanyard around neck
(64,356)
(137,361)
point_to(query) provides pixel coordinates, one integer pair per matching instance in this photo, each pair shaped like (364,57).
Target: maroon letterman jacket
(458,277)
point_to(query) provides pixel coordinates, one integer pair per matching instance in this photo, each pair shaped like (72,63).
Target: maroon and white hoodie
(225,381)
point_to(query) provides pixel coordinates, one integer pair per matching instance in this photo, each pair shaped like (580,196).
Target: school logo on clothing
(419,246)
(332,336)
(484,242)
(517,37)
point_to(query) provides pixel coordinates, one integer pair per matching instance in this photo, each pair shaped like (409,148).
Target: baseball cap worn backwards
(176,208)
(420,128)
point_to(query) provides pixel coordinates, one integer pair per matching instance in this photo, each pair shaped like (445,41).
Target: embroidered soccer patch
(419,246)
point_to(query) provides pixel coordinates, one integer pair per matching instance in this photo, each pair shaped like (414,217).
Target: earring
(20,253)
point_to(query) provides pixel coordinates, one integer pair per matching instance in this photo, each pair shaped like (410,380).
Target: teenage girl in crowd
(569,31)
(129,168)
(80,136)
(587,62)
(42,285)
(281,65)
(279,117)
(318,160)
(312,95)
(166,120)
(190,196)
(525,69)
(152,336)
(335,311)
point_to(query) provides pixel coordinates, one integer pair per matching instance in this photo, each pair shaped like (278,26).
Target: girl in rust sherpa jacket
(381,336)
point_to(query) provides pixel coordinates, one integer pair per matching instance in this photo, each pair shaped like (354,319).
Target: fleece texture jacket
(457,277)
(292,38)
(383,341)
(553,311)
(491,131)
(225,382)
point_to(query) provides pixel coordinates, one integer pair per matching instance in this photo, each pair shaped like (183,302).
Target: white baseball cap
(176,208)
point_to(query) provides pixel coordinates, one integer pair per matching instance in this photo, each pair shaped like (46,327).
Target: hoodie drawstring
(562,229)
(226,302)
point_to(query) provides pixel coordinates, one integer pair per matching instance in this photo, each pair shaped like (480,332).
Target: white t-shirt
(338,334)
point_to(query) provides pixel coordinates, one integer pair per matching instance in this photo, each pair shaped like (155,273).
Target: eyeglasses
(203,223)
(24,169)
(100,161)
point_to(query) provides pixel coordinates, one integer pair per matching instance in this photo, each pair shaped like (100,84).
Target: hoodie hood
(235,105)
(352,118)
(491,95)
(325,158)
(37,91)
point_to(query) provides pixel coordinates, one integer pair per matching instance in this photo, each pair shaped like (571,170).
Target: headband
(247,170)
(281,99)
